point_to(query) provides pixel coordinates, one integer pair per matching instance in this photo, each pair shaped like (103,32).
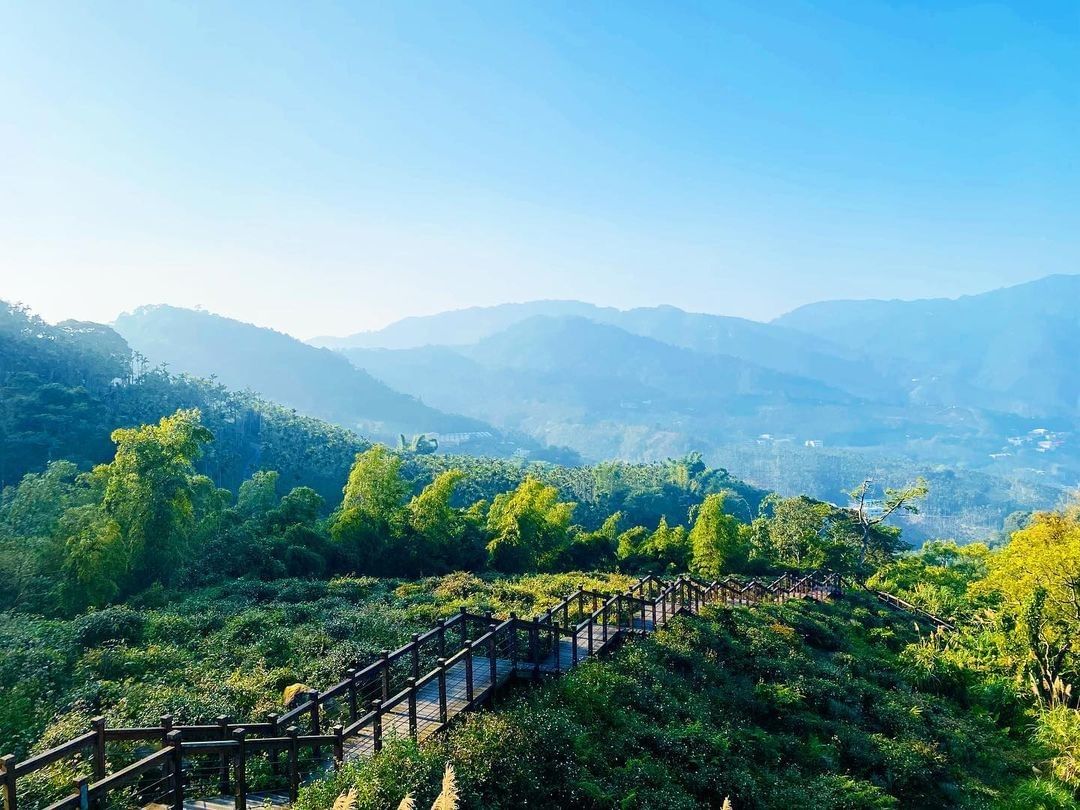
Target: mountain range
(986,387)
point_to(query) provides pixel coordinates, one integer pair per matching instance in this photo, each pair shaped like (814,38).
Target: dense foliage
(770,707)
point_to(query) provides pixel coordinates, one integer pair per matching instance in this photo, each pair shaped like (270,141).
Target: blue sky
(324,168)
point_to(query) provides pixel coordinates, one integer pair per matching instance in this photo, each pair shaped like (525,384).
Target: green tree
(717,544)
(258,495)
(878,542)
(529,527)
(148,491)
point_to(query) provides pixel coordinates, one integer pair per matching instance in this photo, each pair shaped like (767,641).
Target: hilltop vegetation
(170,546)
(767,707)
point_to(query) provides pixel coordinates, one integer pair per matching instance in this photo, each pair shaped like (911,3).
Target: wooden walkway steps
(898,604)
(414,691)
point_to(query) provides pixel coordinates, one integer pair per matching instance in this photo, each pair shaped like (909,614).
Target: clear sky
(324,168)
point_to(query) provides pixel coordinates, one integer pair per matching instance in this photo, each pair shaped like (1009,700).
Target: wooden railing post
(176,767)
(166,727)
(557,645)
(654,613)
(513,642)
(294,755)
(534,646)
(574,645)
(442,691)
(413,727)
(492,666)
(581,599)
(316,725)
(415,654)
(98,724)
(464,620)
(442,638)
(339,747)
(589,635)
(273,754)
(82,787)
(604,621)
(223,760)
(10,795)
(350,676)
(376,726)
(385,655)
(468,673)
(241,768)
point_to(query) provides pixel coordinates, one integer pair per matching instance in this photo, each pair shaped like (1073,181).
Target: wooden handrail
(645,606)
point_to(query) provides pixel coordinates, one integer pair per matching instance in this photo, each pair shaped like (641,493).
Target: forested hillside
(904,388)
(316,382)
(171,547)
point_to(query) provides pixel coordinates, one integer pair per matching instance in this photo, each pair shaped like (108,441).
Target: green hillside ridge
(768,707)
(314,381)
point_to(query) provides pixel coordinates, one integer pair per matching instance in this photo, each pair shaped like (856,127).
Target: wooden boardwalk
(415,691)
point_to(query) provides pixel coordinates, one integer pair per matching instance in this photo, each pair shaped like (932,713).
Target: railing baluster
(241,769)
(376,726)
(468,674)
(294,754)
(10,793)
(176,768)
(413,726)
(442,691)
(223,761)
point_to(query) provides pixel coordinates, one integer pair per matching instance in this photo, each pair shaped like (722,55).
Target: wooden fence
(457,666)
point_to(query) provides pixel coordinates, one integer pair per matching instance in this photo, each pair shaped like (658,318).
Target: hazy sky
(324,168)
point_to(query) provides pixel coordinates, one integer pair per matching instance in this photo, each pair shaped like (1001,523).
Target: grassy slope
(773,707)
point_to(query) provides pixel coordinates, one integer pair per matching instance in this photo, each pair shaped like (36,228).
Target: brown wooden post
(82,787)
(513,643)
(618,610)
(294,755)
(604,621)
(442,638)
(166,726)
(376,726)
(176,766)
(464,626)
(595,601)
(654,614)
(468,673)
(316,725)
(534,645)
(10,795)
(385,655)
(581,599)
(589,636)
(573,645)
(413,727)
(493,667)
(557,645)
(339,747)
(98,725)
(223,760)
(241,769)
(350,676)
(273,754)
(442,691)
(414,651)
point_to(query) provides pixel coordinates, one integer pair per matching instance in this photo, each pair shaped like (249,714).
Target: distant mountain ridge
(1014,350)
(315,381)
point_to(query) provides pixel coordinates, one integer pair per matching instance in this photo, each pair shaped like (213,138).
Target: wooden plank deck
(396,722)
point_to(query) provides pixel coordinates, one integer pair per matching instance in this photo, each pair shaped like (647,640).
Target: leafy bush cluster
(770,707)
